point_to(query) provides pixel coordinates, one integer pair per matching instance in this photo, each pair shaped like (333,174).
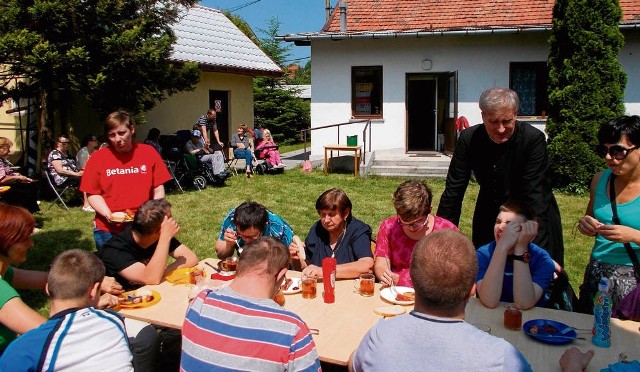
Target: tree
(301,76)
(276,108)
(113,53)
(586,86)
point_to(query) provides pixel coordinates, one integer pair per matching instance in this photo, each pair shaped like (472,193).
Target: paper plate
(549,331)
(143,304)
(388,295)
(179,276)
(294,287)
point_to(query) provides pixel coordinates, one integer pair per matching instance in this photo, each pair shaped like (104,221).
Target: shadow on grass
(47,245)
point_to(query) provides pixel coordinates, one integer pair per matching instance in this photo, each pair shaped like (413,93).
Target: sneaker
(36,230)
(88,209)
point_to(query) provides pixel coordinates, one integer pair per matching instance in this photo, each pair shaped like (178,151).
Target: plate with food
(121,217)
(139,298)
(4,188)
(291,286)
(401,295)
(549,331)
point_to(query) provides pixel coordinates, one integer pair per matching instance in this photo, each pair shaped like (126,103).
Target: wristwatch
(525,257)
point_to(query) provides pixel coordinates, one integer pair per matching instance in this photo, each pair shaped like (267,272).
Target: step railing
(366,130)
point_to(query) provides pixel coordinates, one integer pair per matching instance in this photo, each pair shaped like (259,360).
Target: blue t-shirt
(541,266)
(276,227)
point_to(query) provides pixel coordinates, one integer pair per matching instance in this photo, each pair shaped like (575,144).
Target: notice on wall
(363,98)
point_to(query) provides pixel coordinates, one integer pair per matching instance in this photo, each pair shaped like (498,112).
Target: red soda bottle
(329,279)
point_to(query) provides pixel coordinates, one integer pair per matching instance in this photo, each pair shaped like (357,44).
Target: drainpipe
(343,16)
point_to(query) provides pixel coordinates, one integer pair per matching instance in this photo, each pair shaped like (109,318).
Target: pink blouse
(398,247)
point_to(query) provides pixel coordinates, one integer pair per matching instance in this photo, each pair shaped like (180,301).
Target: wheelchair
(262,166)
(187,169)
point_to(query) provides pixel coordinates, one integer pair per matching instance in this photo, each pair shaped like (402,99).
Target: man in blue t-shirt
(248,222)
(511,268)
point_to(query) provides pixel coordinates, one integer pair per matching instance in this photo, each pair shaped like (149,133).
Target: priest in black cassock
(510,162)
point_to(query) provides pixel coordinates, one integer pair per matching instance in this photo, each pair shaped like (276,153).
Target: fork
(392,287)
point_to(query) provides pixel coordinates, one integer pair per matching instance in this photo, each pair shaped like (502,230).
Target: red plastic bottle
(329,279)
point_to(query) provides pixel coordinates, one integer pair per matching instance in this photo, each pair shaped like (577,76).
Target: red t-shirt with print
(125,181)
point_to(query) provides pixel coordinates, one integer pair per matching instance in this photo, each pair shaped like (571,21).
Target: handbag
(629,306)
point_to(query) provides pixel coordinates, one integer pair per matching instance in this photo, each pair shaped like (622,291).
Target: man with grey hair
(510,162)
(443,270)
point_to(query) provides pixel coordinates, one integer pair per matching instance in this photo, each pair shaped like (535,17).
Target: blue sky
(294,16)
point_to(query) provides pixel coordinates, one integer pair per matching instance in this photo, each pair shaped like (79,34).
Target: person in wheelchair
(269,150)
(204,155)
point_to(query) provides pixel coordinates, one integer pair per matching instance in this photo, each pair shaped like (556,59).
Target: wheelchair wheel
(199,182)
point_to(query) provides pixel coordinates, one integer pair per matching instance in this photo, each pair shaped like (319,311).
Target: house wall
(481,62)
(182,110)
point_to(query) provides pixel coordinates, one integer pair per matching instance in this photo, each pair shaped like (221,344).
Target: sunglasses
(616,152)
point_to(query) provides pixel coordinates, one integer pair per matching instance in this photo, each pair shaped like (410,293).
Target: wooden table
(342,324)
(357,154)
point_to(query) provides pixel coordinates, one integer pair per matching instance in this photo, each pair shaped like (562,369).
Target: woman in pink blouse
(399,234)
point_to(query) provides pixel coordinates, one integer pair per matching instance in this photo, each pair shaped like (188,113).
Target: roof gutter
(306,38)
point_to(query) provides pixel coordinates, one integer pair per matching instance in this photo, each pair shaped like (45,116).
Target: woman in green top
(16,227)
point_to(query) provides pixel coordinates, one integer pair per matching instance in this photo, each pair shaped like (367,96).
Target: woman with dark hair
(337,234)
(399,234)
(153,139)
(16,226)
(618,140)
(17,189)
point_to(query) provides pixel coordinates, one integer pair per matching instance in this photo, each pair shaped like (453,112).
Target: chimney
(327,8)
(343,16)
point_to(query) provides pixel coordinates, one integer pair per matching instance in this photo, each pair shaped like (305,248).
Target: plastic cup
(309,285)
(512,317)
(365,285)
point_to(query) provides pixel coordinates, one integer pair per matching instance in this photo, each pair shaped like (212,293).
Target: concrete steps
(429,169)
(398,163)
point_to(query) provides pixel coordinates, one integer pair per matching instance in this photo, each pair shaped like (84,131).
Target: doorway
(219,101)
(431,105)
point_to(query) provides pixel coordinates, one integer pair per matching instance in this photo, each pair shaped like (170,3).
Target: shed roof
(371,18)
(208,37)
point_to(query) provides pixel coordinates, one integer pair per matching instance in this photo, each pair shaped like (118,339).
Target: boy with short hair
(77,336)
(512,268)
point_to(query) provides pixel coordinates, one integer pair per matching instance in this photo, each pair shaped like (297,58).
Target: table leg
(325,161)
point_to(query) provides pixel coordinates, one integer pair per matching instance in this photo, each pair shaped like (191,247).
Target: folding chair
(230,162)
(59,191)
(171,166)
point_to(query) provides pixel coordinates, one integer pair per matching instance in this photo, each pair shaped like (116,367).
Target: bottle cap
(604,285)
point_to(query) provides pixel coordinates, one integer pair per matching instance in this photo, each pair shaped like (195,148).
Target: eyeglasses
(415,225)
(616,152)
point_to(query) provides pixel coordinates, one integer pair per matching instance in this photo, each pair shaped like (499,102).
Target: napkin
(218,276)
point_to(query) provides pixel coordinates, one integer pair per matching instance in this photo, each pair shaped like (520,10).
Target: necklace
(338,242)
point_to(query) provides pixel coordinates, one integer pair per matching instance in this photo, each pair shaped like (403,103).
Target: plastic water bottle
(602,316)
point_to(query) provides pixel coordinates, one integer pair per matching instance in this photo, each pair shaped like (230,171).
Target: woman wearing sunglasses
(619,140)
(399,234)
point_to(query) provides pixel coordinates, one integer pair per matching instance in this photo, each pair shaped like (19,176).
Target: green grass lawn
(291,195)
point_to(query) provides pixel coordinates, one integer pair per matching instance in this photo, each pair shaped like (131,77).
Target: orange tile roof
(450,15)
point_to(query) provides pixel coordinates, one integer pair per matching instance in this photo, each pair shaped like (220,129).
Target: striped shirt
(77,339)
(225,331)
